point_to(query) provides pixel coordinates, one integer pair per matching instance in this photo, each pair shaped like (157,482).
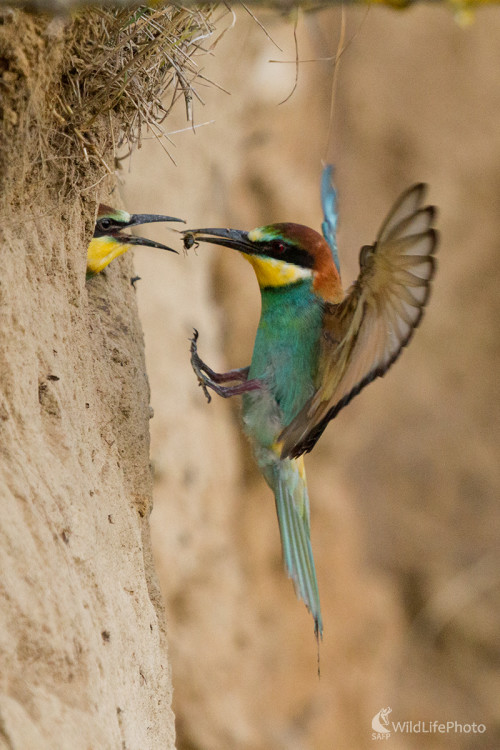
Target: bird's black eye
(278,247)
(104,223)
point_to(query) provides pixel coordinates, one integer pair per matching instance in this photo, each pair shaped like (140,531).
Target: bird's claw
(204,388)
(193,340)
(197,365)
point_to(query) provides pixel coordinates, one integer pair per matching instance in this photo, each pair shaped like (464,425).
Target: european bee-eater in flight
(108,243)
(318,346)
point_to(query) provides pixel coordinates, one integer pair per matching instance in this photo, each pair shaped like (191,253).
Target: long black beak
(131,239)
(233,238)
(136,220)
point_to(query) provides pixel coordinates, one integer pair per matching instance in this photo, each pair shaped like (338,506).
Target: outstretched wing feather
(366,332)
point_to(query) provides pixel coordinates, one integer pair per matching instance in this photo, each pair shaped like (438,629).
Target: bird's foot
(208,378)
(239,374)
(198,366)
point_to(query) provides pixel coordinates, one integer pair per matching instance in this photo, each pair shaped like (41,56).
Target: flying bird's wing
(330,215)
(365,333)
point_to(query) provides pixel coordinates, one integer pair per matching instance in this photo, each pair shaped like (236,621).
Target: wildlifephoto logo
(380,724)
(382,727)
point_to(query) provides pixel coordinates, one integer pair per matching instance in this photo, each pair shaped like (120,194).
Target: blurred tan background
(404,484)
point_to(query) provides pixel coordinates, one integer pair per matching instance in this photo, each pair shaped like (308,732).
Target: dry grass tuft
(78,90)
(120,65)
(129,60)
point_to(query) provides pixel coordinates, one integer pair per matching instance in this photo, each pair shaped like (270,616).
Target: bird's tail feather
(292,505)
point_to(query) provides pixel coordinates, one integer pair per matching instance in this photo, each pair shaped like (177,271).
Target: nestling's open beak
(131,239)
(233,238)
(135,220)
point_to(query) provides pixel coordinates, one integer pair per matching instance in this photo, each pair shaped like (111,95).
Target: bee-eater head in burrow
(280,254)
(110,222)
(108,241)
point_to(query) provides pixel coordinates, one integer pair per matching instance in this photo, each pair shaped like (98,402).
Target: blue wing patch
(330,215)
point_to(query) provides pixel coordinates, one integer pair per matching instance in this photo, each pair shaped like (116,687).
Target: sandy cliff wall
(82,634)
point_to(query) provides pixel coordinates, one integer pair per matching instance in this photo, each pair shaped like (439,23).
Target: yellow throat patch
(272,272)
(101,251)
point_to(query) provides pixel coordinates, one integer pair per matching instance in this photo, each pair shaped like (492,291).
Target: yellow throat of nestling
(101,251)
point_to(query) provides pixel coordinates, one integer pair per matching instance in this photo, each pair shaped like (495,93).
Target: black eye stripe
(289,253)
